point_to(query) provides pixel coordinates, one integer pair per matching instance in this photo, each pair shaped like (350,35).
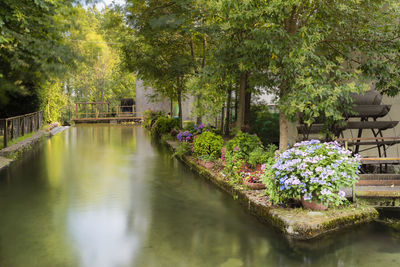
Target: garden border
(296,224)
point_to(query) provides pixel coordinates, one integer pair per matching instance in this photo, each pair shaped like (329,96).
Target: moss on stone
(297,224)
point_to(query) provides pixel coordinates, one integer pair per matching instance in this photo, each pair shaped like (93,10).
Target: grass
(19,139)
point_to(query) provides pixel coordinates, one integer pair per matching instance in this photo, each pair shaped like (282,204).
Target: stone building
(143,102)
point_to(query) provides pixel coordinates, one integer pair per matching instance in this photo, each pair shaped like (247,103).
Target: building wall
(143,103)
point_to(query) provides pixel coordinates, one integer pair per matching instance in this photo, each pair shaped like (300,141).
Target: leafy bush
(182,148)
(314,171)
(233,166)
(261,156)
(189,126)
(264,123)
(208,143)
(243,144)
(150,117)
(163,125)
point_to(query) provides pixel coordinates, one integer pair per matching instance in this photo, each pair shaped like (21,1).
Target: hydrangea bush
(185,136)
(313,170)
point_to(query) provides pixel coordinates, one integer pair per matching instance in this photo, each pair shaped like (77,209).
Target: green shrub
(150,117)
(163,125)
(182,148)
(188,125)
(261,156)
(243,144)
(233,165)
(208,143)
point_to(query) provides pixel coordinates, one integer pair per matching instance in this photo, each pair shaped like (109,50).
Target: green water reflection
(101,195)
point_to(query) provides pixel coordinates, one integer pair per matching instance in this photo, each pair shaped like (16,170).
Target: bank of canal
(107,195)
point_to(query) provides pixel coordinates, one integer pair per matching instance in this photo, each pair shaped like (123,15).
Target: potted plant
(252,179)
(207,147)
(312,172)
(206,161)
(259,156)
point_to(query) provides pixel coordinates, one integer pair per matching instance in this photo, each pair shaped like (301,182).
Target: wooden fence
(99,110)
(17,126)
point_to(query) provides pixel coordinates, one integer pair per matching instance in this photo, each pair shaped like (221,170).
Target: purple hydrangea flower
(179,136)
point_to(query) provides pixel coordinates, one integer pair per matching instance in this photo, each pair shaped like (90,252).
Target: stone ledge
(296,224)
(11,153)
(4,162)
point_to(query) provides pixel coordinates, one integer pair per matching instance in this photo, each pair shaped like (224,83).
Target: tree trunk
(240,122)
(171,107)
(199,118)
(236,103)
(222,119)
(228,112)
(180,106)
(247,108)
(283,132)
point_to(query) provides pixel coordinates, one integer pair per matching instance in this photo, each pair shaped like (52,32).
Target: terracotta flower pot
(313,204)
(206,164)
(254,186)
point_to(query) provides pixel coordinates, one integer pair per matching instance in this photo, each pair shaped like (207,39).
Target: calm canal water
(101,195)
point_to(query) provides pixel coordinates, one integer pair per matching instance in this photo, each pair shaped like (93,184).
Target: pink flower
(263,167)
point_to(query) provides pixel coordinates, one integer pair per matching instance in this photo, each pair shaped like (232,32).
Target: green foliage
(209,144)
(150,117)
(261,156)
(99,74)
(189,126)
(243,144)
(163,125)
(182,148)
(53,101)
(264,123)
(32,49)
(161,50)
(233,166)
(166,137)
(56,52)
(268,178)
(310,54)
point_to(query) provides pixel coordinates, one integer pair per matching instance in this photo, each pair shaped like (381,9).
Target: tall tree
(32,48)
(311,54)
(163,51)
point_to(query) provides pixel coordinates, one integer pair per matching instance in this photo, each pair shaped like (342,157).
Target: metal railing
(84,110)
(14,127)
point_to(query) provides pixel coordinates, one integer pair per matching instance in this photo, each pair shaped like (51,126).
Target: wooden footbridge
(379,183)
(102,112)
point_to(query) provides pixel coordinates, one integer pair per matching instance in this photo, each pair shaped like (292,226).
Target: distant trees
(98,74)
(56,52)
